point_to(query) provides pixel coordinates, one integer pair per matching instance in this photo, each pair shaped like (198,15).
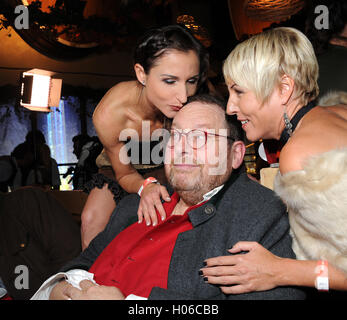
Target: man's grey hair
(233,126)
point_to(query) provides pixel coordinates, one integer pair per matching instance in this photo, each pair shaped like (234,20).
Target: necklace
(291,124)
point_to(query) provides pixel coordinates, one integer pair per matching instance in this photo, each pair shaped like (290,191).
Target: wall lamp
(39,91)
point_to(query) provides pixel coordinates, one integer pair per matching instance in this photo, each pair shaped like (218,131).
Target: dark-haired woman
(170,65)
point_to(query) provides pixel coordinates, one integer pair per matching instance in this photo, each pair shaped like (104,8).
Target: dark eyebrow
(175,77)
(168,75)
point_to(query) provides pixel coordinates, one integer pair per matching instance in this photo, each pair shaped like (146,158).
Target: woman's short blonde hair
(258,64)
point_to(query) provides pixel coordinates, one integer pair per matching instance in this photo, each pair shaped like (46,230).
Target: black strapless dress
(141,161)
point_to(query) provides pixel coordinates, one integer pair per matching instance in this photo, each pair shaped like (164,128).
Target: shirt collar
(169,206)
(208,195)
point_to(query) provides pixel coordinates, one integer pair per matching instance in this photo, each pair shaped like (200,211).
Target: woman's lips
(176,108)
(243,123)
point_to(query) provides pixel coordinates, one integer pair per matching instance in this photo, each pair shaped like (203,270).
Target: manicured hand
(255,270)
(150,202)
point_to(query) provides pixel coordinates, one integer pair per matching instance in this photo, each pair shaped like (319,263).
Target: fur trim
(317,205)
(333,98)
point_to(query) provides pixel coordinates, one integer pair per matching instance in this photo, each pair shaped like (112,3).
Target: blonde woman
(272,82)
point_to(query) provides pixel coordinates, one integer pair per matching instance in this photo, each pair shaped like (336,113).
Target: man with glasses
(207,215)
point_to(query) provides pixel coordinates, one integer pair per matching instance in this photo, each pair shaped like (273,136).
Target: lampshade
(39,90)
(198,31)
(272,10)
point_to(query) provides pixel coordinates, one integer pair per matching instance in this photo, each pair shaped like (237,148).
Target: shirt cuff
(74,277)
(134,297)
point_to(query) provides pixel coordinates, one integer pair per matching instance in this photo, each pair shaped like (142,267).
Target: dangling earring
(143,83)
(287,122)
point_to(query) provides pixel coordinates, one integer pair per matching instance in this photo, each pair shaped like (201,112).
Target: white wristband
(322,279)
(322,283)
(140,191)
(146,182)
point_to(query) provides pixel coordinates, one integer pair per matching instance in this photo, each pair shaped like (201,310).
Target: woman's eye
(237,91)
(169,81)
(193,81)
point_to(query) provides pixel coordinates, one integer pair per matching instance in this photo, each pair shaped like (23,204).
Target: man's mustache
(185,160)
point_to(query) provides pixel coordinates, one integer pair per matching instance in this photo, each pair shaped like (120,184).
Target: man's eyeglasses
(196,139)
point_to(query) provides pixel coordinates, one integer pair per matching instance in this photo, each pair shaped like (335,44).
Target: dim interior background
(90,62)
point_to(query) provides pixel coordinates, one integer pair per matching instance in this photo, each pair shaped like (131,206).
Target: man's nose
(232,106)
(182,144)
(182,150)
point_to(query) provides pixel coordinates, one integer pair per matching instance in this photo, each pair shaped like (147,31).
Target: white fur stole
(317,205)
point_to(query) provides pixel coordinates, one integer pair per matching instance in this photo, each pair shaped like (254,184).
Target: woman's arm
(259,270)
(110,120)
(302,273)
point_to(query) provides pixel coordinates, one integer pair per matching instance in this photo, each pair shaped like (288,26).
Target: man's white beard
(179,181)
(191,189)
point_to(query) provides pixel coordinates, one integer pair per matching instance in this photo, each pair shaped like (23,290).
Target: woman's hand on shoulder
(150,202)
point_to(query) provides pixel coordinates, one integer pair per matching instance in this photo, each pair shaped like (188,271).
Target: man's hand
(58,290)
(150,201)
(92,291)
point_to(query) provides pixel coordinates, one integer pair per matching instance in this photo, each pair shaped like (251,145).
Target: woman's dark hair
(155,42)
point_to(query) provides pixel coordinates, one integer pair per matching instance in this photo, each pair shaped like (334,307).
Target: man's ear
(237,154)
(140,73)
(286,88)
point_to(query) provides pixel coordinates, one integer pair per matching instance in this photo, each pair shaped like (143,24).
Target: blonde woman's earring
(287,123)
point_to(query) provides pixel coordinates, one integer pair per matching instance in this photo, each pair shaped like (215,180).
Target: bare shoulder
(339,110)
(111,114)
(321,130)
(113,100)
(292,155)
(114,103)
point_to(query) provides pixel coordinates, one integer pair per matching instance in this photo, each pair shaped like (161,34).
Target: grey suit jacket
(242,211)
